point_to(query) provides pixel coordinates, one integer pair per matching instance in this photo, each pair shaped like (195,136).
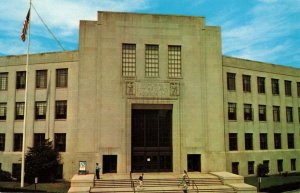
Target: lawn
(58,187)
(275,181)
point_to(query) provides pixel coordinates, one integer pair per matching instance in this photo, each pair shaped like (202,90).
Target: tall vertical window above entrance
(174,61)
(152,61)
(128,60)
(230,81)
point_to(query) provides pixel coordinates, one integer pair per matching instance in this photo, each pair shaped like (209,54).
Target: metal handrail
(132,182)
(193,181)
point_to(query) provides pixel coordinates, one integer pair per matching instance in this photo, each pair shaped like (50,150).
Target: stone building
(151,93)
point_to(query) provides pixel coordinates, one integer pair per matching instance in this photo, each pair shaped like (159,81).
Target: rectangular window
(280,165)
(298,89)
(39,139)
(262,114)
(263,141)
(293,165)
(230,81)
(289,114)
(18,141)
(291,143)
(62,78)
(152,61)
(266,163)
(40,110)
(41,79)
(2,142)
(21,80)
(231,111)
(16,171)
(248,112)
(276,113)
(246,83)
(261,85)
(248,141)
(233,142)
(275,86)
(288,87)
(19,114)
(3,110)
(250,167)
(128,60)
(277,140)
(235,167)
(3,80)
(61,110)
(174,61)
(60,142)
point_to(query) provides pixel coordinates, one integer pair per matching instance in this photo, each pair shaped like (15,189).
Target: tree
(262,170)
(41,161)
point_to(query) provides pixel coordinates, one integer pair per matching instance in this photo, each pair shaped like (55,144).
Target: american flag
(25,26)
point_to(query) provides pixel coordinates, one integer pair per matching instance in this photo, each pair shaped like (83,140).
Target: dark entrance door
(109,164)
(151,140)
(194,162)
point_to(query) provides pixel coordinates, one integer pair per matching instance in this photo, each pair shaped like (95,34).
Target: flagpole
(25,106)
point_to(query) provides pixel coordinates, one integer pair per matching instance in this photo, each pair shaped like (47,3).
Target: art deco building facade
(151,93)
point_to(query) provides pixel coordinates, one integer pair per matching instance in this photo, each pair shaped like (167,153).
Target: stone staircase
(161,183)
(217,182)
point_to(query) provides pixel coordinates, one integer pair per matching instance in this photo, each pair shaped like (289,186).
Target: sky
(260,30)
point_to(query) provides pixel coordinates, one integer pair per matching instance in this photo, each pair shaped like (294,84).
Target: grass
(276,181)
(57,187)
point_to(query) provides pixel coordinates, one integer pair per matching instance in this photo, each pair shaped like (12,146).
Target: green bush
(41,161)
(5,176)
(262,170)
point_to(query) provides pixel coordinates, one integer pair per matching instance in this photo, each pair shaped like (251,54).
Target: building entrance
(151,140)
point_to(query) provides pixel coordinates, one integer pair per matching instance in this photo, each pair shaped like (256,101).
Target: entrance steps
(170,183)
(159,183)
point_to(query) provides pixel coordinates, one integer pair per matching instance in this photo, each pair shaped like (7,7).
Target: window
(263,141)
(3,80)
(233,143)
(2,141)
(276,113)
(16,171)
(152,61)
(246,83)
(248,141)
(247,112)
(60,142)
(262,115)
(19,115)
(277,140)
(261,85)
(280,165)
(289,114)
(235,167)
(128,60)
(266,163)
(250,167)
(298,89)
(39,139)
(291,144)
(18,141)
(299,114)
(288,87)
(61,110)
(293,165)
(3,109)
(275,86)
(62,78)
(41,79)
(230,81)
(231,111)
(21,80)
(40,110)
(174,61)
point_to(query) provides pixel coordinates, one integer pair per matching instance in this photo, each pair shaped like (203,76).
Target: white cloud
(261,37)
